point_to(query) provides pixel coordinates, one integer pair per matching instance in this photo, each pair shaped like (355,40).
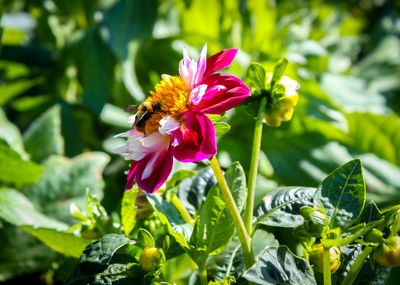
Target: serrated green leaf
(280,266)
(342,194)
(128,211)
(169,216)
(65,181)
(100,252)
(16,209)
(14,170)
(193,190)
(43,137)
(256,75)
(68,244)
(281,208)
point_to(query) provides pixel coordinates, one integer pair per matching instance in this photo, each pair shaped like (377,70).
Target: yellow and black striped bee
(143,113)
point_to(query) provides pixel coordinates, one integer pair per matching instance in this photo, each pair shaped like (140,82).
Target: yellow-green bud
(150,258)
(281,105)
(388,253)
(317,257)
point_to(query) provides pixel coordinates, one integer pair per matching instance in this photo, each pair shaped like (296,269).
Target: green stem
(248,215)
(237,219)
(327,266)
(184,213)
(203,273)
(355,269)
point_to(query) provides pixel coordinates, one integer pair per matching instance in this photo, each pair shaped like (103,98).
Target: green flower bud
(388,253)
(317,257)
(281,101)
(150,258)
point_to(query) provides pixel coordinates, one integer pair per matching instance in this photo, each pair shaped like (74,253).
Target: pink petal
(216,99)
(220,60)
(161,169)
(201,67)
(195,140)
(131,175)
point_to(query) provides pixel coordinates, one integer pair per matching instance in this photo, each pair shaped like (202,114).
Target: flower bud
(317,257)
(150,258)
(144,209)
(281,101)
(388,253)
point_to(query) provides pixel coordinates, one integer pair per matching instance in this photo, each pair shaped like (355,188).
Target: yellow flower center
(172,96)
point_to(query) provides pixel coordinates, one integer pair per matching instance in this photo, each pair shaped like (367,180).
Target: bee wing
(131,109)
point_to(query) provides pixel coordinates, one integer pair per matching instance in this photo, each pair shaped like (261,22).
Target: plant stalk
(203,273)
(327,266)
(355,269)
(248,215)
(184,213)
(237,219)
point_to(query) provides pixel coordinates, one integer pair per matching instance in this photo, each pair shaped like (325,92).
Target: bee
(143,113)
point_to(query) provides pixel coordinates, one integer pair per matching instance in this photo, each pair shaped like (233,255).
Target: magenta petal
(195,140)
(162,169)
(131,175)
(217,101)
(220,60)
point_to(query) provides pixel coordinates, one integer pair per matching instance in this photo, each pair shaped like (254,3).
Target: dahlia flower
(173,120)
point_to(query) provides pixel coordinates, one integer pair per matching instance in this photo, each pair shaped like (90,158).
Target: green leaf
(114,116)
(16,88)
(145,239)
(16,209)
(21,253)
(129,20)
(281,208)
(256,75)
(342,194)
(14,170)
(65,181)
(375,134)
(43,137)
(193,190)
(221,128)
(279,69)
(350,234)
(94,73)
(100,215)
(11,134)
(66,243)
(169,216)
(100,252)
(178,177)
(370,213)
(280,266)
(215,224)
(236,180)
(128,211)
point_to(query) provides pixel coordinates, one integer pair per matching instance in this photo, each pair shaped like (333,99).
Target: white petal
(197,93)
(168,125)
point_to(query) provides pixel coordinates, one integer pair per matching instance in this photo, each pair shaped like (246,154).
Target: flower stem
(248,215)
(184,213)
(356,267)
(237,219)
(327,266)
(203,273)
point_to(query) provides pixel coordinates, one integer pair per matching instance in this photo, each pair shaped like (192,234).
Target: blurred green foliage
(67,69)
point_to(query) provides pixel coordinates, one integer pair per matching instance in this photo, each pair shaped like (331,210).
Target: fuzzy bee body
(143,113)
